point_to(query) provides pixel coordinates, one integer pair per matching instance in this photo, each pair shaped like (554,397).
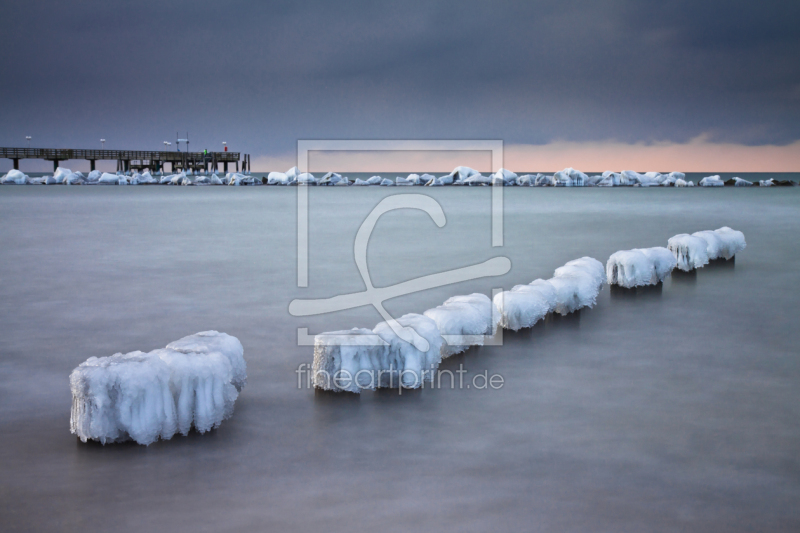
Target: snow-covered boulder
(147,396)
(404,182)
(524,305)
(543,180)
(147,179)
(361,183)
(387,182)
(739,182)
(525,181)
(464,320)
(425,179)
(374,180)
(477,180)
(15,177)
(461,174)
(108,179)
(766,183)
(277,178)
(506,176)
(331,178)
(689,251)
(712,181)
(306,178)
(639,267)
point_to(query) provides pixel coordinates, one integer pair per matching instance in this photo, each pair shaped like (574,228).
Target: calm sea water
(668,409)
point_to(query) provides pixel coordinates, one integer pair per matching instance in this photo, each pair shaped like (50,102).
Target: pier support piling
(16,164)
(91,165)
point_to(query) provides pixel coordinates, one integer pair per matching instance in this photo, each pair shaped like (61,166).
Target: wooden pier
(132,159)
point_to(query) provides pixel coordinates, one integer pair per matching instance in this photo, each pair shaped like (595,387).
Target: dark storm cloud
(262,74)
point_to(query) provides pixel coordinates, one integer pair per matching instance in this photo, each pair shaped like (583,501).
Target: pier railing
(64,154)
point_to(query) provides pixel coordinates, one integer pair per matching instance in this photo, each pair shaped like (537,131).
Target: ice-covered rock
(108,179)
(147,179)
(766,183)
(387,182)
(426,179)
(215,180)
(477,180)
(331,178)
(739,182)
(361,183)
(524,305)
(689,251)
(277,178)
(683,183)
(577,284)
(374,180)
(306,178)
(543,180)
(712,181)
(525,181)
(15,177)
(404,182)
(147,396)
(463,321)
(639,267)
(462,173)
(506,176)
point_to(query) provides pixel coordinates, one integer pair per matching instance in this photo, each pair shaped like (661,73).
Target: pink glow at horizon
(698,155)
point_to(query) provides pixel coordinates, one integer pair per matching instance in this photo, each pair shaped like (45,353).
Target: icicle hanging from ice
(638,267)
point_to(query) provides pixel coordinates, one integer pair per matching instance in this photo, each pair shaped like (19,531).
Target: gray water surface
(673,408)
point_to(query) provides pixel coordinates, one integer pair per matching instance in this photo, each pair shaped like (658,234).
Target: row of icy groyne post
(194,382)
(362,359)
(460,176)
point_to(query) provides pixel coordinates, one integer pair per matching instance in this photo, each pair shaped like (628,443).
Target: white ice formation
(463,321)
(639,267)
(193,382)
(362,359)
(712,181)
(689,251)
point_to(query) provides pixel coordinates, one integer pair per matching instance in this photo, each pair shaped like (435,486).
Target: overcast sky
(260,75)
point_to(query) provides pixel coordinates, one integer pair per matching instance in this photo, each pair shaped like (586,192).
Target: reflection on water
(684,278)
(636,293)
(721,264)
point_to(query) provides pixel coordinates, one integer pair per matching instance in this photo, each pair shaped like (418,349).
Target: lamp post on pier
(28,138)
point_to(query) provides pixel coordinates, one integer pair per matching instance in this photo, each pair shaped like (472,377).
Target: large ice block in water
(638,267)
(577,284)
(524,305)
(465,320)
(689,251)
(147,396)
